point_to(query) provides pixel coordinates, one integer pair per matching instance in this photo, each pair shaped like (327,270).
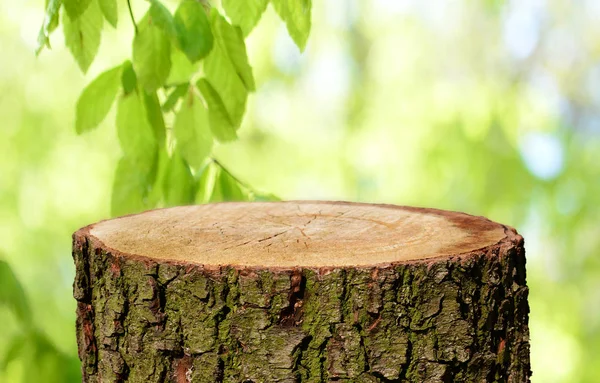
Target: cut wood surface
(305,234)
(301,292)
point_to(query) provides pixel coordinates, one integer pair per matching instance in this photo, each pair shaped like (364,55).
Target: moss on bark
(452,319)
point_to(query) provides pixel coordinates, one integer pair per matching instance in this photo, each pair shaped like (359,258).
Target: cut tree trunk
(301,292)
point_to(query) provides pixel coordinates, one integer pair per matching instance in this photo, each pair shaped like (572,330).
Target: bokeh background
(488,107)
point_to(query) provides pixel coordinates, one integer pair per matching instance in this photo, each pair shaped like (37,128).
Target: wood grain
(295,234)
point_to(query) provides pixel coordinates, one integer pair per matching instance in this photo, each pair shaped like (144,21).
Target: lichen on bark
(452,319)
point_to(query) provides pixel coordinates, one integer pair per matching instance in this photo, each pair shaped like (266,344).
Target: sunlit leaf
(134,131)
(96,99)
(82,35)
(192,131)
(132,185)
(182,69)
(155,116)
(178,92)
(52,14)
(76,8)
(178,184)
(162,18)
(222,75)
(296,15)
(49,25)
(14,350)
(231,40)
(264,197)
(110,10)
(206,182)
(245,13)
(227,188)
(151,55)
(162,161)
(193,30)
(12,293)
(220,123)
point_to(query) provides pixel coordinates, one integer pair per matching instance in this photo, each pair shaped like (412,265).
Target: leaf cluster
(189,66)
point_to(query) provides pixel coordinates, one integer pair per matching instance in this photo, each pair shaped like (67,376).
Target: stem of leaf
(231,175)
(131,15)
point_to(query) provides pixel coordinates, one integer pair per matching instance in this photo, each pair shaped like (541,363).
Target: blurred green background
(488,107)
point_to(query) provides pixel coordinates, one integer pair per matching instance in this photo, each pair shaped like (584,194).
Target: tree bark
(149,309)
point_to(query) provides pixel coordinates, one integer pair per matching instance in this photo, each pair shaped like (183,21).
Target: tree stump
(301,292)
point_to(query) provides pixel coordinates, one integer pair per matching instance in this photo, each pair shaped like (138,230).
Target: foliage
(45,362)
(12,294)
(191,65)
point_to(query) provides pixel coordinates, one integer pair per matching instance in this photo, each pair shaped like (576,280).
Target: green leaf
(245,13)
(174,96)
(155,117)
(44,361)
(76,8)
(220,123)
(230,38)
(162,162)
(296,15)
(52,11)
(179,184)
(162,18)
(151,55)
(12,293)
(136,171)
(14,349)
(182,69)
(132,186)
(49,25)
(134,131)
(222,75)
(206,182)
(227,188)
(128,79)
(264,197)
(96,99)
(110,10)
(193,30)
(192,131)
(82,35)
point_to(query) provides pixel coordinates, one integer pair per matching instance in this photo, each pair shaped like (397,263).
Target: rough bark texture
(448,318)
(459,319)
